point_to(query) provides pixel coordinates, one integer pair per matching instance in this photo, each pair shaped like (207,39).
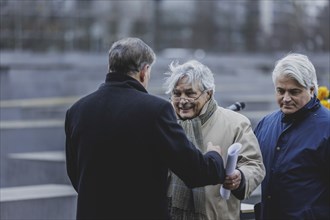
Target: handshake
(211,147)
(233,176)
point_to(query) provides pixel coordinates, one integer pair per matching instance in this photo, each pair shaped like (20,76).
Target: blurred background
(213,25)
(52,52)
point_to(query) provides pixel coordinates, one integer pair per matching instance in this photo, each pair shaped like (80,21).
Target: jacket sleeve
(250,161)
(324,155)
(182,157)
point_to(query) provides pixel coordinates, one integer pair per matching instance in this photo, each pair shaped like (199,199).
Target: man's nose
(183,99)
(286,97)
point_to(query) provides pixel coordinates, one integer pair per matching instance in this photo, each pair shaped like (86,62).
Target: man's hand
(211,147)
(233,181)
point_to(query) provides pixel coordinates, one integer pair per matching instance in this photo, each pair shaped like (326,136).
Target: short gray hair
(129,55)
(298,67)
(196,73)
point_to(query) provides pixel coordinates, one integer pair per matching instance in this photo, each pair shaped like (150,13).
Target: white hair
(195,72)
(298,67)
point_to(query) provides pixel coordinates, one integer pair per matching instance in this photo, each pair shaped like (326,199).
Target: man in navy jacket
(121,141)
(295,145)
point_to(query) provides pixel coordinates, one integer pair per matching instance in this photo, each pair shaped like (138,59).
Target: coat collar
(115,78)
(311,106)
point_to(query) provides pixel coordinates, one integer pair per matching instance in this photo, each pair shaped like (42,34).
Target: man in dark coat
(121,142)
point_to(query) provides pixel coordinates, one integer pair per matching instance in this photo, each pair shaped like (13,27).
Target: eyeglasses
(175,98)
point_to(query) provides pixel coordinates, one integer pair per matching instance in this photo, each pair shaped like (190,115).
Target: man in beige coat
(191,86)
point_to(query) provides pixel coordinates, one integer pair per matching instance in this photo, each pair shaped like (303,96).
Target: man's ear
(143,73)
(209,93)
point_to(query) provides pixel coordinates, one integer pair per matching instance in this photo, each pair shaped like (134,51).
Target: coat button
(278,148)
(269,197)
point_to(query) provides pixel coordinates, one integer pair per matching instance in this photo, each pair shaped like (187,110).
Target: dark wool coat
(296,154)
(120,143)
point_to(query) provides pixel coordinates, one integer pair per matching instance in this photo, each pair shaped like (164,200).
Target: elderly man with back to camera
(192,88)
(121,141)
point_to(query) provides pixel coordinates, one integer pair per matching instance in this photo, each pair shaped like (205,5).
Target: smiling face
(188,100)
(290,95)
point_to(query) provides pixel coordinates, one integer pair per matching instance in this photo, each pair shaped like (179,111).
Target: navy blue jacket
(120,143)
(296,155)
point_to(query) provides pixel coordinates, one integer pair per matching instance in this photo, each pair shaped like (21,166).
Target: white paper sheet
(232,155)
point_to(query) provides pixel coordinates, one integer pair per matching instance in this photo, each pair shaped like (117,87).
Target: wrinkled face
(188,100)
(290,95)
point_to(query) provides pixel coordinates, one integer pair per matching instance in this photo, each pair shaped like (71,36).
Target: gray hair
(130,55)
(298,67)
(196,73)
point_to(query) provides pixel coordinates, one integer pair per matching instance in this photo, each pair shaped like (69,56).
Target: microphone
(237,106)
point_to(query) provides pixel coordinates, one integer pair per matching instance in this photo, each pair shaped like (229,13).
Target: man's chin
(185,117)
(288,111)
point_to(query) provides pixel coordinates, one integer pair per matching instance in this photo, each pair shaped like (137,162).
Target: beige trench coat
(224,128)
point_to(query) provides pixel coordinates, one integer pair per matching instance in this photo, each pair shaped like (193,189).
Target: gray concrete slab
(31,168)
(39,202)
